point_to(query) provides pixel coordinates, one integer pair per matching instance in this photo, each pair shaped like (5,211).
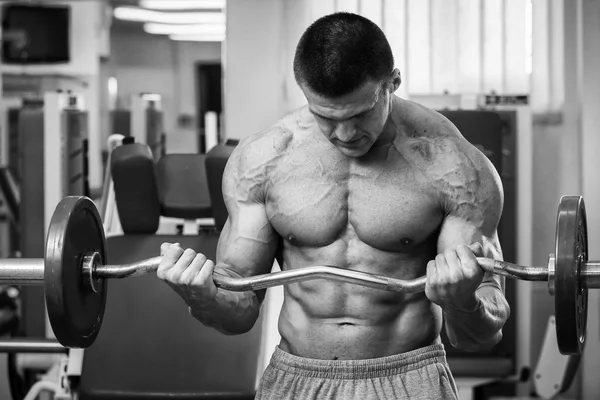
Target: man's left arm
(473,302)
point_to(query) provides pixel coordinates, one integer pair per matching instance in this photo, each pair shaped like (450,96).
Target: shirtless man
(359,179)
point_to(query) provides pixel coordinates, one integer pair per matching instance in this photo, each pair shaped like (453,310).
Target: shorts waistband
(358,369)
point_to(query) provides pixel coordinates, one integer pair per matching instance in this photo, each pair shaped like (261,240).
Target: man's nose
(345,131)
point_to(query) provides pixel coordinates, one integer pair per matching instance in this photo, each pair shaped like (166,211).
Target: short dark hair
(341,52)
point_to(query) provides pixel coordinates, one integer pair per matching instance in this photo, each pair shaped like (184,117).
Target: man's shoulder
(434,139)
(456,168)
(265,149)
(275,140)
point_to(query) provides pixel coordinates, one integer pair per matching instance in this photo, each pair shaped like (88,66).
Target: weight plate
(74,310)
(570,298)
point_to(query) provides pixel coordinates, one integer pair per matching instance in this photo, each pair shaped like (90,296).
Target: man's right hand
(189,273)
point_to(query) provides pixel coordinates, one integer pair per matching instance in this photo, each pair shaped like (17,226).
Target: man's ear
(396,80)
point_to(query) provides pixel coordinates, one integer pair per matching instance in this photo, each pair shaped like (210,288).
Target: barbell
(75,277)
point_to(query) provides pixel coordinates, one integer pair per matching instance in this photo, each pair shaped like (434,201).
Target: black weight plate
(74,310)
(570,298)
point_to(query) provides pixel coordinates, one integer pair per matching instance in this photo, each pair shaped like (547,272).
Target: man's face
(355,121)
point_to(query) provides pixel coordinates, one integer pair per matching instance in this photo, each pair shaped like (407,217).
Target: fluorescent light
(113,86)
(151,97)
(113,92)
(198,38)
(165,29)
(143,15)
(183,4)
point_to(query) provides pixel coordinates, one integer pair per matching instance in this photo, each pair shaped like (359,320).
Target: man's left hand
(453,277)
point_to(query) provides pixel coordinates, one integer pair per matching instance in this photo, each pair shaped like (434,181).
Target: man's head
(345,67)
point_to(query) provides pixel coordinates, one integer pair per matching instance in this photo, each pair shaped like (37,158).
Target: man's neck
(391,127)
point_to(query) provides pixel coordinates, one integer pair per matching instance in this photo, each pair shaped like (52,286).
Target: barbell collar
(551,274)
(88,271)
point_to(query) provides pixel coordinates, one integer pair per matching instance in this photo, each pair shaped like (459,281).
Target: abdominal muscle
(332,320)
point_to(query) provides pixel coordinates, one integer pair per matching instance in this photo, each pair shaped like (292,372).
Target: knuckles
(449,254)
(189,253)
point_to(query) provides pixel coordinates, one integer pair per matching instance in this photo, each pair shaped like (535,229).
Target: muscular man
(359,179)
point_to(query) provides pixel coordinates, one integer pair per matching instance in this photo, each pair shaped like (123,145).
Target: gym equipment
(75,229)
(143,121)
(74,274)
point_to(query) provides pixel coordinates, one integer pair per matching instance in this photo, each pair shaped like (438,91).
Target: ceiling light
(143,15)
(198,38)
(165,29)
(183,4)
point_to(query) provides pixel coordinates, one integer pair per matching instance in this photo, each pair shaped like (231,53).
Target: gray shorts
(418,374)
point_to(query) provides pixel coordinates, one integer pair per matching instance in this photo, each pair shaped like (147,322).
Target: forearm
(481,326)
(230,313)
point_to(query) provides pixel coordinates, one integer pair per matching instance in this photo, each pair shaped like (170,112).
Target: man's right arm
(247,246)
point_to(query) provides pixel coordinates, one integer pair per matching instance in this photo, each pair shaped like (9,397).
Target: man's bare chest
(386,203)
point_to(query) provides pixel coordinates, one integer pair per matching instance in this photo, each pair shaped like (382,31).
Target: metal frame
(54,160)
(108,202)
(31,346)
(138,118)
(6,104)
(554,371)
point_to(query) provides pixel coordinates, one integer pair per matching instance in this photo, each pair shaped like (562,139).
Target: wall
(253,87)
(153,63)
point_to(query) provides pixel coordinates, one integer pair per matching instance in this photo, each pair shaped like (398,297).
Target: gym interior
(118,119)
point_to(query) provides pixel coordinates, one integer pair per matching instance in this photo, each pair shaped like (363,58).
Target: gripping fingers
(205,276)
(452,259)
(430,285)
(468,260)
(164,248)
(170,255)
(441,265)
(476,248)
(431,272)
(444,270)
(457,268)
(183,263)
(189,274)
